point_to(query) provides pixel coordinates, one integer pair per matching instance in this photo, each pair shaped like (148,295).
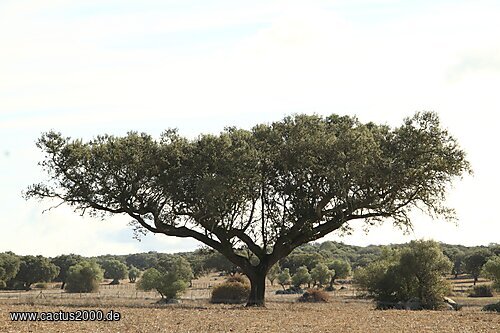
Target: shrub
(114,269)
(320,274)
(36,269)
(237,278)
(314,296)
(481,291)
(492,271)
(133,274)
(284,278)
(492,307)
(230,293)
(166,284)
(169,280)
(301,277)
(414,272)
(84,277)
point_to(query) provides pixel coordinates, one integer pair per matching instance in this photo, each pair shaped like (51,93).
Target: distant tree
(273,273)
(64,262)
(320,274)
(284,278)
(415,271)
(491,270)
(114,269)
(84,277)
(458,263)
(197,262)
(35,269)
(269,189)
(169,280)
(301,277)
(150,280)
(133,274)
(216,261)
(341,270)
(474,263)
(142,261)
(328,246)
(9,266)
(296,260)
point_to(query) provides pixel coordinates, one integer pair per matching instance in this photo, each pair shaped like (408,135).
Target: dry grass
(341,315)
(140,313)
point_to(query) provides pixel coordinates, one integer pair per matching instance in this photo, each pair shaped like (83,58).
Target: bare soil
(345,312)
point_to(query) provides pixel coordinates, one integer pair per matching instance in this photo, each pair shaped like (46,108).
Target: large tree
(9,266)
(266,190)
(114,269)
(64,262)
(36,269)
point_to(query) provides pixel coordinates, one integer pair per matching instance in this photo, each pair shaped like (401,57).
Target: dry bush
(230,293)
(238,278)
(314,296)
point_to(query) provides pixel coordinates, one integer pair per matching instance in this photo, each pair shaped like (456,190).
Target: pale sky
(88,67)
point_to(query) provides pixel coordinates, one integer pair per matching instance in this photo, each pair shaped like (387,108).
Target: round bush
(230,293)
(314,296)
(84,277)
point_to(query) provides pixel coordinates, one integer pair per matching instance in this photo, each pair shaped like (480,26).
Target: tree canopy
(114,269)
(9,266)
(84,277)
(36,269)
(266,190)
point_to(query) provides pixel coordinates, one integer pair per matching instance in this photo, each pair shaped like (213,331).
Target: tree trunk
(63,284)
(257,290)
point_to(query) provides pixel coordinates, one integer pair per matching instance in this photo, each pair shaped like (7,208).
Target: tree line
(312,264)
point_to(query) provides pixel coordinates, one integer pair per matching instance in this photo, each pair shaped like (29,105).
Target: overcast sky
(86,67)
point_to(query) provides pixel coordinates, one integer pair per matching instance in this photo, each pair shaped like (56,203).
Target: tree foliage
(474,262)
(273,273)
(491,269)
(114,269)
(341,269)
(415,271)
(64,262)
(9,266)
(133,274)
(84,277)
(35,269)
(268,189)
(321,274)
(284,278)
(169,280)
(301,276)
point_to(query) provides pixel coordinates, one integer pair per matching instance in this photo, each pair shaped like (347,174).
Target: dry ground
(340,315)
(140,313)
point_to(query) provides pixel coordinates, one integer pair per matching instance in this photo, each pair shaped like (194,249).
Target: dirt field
(340,315)
(140,313)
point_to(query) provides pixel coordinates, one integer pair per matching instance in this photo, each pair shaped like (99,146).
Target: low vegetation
(169,280)
(413,274)
(481,291)
(230,293)
(314,296)
(84,277)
